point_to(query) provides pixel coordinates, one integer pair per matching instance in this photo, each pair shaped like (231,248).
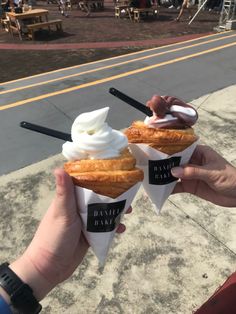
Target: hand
(58,246)
(209,176)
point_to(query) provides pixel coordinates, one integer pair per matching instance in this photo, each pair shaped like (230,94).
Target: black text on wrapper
(160,170)
(104,217)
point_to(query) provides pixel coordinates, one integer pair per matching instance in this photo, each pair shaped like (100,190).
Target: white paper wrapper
(101,216)
(158,181)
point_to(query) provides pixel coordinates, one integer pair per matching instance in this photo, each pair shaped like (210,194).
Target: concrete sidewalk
(164,264)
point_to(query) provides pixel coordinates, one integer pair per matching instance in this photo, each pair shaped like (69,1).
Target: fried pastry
(109,177)
(169,130)
(168,141)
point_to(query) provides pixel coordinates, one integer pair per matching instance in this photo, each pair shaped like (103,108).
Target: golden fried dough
(168,141)
(109,177)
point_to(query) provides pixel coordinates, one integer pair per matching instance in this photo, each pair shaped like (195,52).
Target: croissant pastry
(109,177)
(168,141)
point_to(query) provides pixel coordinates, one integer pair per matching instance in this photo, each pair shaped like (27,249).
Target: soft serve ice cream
(170,113)
(93,138)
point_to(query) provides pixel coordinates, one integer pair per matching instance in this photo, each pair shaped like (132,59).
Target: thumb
(190,172)
(64,200)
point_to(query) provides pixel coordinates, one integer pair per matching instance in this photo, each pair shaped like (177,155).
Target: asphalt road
(186,70)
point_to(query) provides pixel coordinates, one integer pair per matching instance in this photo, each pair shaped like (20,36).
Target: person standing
(187,4)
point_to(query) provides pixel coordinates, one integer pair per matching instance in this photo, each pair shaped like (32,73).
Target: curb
(102,45)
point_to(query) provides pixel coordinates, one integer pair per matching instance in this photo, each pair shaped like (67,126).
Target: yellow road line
(112,65)
(114,77)
(112,58)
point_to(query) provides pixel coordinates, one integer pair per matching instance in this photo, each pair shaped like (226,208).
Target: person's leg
(65,8)
(190,10)
(87,8)
(61,5)
(183,7)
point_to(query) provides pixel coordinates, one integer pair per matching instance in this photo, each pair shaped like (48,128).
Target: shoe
(171,7)
(179,7)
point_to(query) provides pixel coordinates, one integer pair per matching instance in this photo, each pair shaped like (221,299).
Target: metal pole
(197,12)
(0,8)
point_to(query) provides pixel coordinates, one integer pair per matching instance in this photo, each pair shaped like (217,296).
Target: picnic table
(30,21)
(125,8)
(133,13)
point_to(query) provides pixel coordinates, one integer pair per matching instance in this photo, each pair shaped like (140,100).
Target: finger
(129,210)
(121,228)
(190,172)
(63,183)
(65,199)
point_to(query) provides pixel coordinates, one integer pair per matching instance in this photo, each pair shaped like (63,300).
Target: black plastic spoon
(50,132)
(130,101)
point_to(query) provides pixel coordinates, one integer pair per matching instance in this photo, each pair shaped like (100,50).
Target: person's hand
(208,176)
(58,246)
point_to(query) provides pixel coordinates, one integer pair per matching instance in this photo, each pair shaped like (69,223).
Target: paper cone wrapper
(158,181)
(101,216)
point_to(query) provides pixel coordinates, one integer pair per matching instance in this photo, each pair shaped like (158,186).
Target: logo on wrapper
(160,170)
(104,217)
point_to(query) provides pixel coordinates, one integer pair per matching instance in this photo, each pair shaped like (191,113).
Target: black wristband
(21,295)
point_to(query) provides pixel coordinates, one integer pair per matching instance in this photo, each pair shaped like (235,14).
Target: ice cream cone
(105,177)
(163,141)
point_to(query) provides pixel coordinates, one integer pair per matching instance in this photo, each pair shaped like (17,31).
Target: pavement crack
(202,103)
(61,111)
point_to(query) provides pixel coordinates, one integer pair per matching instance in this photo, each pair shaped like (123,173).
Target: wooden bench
(5,24)
(37,26)
(89,5)
(137,13)
(122,8)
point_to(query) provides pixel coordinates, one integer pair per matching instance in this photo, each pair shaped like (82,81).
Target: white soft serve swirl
(93,138)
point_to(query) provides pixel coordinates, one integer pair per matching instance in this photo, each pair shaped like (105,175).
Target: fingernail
(177,172)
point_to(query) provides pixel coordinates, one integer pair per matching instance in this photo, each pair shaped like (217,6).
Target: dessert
(99,159)
(169,129)
(164,140)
